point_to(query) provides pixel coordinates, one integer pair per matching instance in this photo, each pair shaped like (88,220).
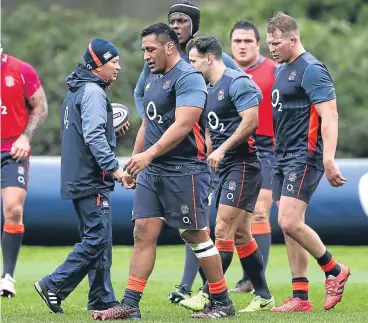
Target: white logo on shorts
(292,177)
(289,187)
(21,170)
(232,186)
(184,210)
(21,180)
(230,196)
(186,220)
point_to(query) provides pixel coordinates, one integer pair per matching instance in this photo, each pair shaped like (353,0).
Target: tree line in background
(54,40)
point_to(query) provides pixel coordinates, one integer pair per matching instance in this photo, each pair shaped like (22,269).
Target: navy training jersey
(298,87)
(234,92)
(183,85)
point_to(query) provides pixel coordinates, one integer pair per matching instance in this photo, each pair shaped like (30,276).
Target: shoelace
(331,287)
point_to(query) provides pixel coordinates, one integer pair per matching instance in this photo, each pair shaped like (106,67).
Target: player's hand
(215,159)
(21,148)
(129,181)
(124,129)
(137,163)
(333,174)
(118,174)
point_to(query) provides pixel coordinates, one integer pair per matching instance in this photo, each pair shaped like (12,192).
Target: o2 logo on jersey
(66,118)
(4,109)
(214,121)
(151,112)
(276,99)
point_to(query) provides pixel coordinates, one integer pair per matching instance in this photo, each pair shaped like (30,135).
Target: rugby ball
(120,115)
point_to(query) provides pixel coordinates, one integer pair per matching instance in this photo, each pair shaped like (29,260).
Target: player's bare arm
(329,129)
(128,180)
(139,140)
(208,142)
(185,118)
(39,110)
(245,129)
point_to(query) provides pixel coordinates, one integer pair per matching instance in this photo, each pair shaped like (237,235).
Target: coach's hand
(137,163)
(215,159)
(21,148)
(118,174)
(124,129)
(129,181)
(333,174)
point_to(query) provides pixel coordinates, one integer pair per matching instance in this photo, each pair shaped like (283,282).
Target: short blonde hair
(283,22)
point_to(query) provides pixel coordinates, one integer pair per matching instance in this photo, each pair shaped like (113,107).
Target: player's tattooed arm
(38,113)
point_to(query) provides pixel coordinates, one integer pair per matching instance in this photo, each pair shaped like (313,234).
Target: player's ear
(170,48)
(293,40)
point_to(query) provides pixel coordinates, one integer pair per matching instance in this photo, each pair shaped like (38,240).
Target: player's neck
(183,47)
(299,51)
(172,62)
(248,65)
(217,72)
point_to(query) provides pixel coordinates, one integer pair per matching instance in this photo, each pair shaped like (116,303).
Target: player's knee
(288,225)
(194,236)
(13,213)
(221,230)
(141,234)
(239,235)
(223,227)
(260,215)
(242,237)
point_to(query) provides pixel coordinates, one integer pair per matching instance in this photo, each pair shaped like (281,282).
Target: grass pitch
(35,262)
